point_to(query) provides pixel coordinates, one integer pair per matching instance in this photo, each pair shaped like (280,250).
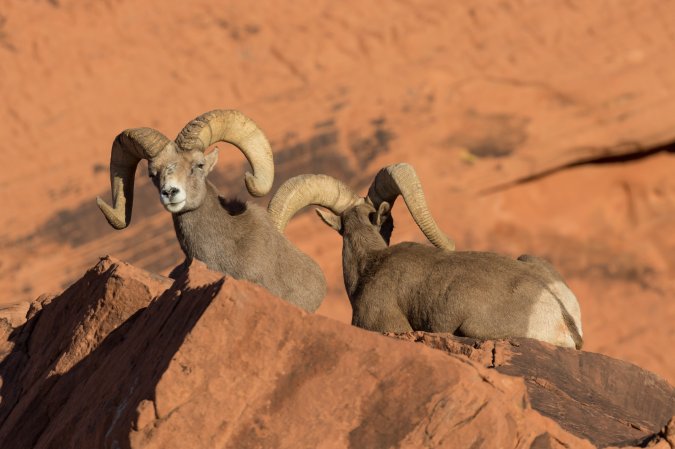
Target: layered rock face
(604,400)
(540,127)
(127,359)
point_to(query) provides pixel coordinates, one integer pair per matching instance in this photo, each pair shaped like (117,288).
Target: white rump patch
(547,322)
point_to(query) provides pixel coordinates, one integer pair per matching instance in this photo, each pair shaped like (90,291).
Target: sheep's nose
(170,192)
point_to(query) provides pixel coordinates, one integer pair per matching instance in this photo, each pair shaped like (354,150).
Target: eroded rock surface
(126,359)
(549,104)
(607,401)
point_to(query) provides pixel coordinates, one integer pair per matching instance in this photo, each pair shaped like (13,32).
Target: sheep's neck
(193,226)
(359,247)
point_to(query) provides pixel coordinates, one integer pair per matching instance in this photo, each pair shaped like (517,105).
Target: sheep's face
(180,177)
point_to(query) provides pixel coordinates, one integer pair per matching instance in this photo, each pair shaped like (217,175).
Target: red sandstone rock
(473,94)
(14,314)
(607,401)
(665,439)
(126,359)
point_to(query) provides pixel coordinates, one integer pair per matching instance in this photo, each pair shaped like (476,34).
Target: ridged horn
(303,190)
(129,147)
(231,126)
(401,179)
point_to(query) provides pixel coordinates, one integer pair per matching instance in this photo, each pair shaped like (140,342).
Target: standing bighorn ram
(230,236)
(411,286)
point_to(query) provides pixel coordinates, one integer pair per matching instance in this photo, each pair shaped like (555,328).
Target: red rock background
(535,127)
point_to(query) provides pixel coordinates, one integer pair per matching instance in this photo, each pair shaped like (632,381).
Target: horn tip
(110,214)
(105,207)
(256,186)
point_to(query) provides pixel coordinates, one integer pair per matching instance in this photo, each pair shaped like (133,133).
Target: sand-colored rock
(125,359)
(508,96)
(15,314)
(607,401)
(665,439)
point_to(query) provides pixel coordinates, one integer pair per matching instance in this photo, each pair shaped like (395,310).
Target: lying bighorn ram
(233,237)
(411,286)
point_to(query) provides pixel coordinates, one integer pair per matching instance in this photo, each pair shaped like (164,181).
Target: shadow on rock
(99,342)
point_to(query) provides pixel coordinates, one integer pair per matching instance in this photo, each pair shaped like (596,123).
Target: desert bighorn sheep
(411,286)
(230,236)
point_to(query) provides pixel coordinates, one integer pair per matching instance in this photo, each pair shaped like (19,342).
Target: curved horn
(129,147)
(401,179)
(303,190)
(233,127)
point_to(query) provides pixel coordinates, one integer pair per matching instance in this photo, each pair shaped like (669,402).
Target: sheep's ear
(211,160)
(332,220)
(382,213)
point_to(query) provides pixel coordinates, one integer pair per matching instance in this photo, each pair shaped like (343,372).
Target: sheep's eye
(200,165)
